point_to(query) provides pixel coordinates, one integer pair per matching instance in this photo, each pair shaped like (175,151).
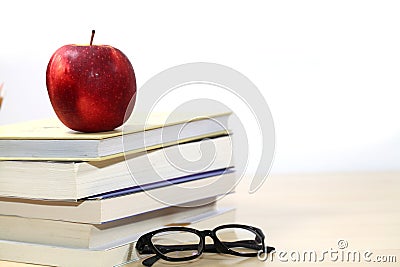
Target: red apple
(90,86)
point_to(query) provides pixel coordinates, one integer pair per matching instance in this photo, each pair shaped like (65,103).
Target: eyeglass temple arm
(150,261)
(243,243)
(208,247)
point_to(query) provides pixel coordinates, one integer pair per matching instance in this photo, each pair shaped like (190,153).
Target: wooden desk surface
(303,214)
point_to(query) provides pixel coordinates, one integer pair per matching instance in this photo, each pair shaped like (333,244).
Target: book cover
(118,205)
(76,180)
(50,140)
(117,254)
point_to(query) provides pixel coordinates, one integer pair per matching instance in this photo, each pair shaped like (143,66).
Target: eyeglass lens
(177,244)
(239,240)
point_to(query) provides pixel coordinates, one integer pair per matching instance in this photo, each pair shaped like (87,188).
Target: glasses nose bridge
(207,233)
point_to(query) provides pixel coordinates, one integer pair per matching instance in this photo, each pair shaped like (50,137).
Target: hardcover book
(115,255)
(51,140)
(56,180)
(93,236)
(124,203)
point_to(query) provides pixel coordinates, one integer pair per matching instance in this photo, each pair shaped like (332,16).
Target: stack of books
(83,199)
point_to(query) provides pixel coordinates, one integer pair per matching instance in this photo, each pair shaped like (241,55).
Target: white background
(329,70)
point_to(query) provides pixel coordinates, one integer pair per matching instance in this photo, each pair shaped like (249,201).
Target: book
(116,255)
(50,140)
(69,180)
(117,205)
(93,236)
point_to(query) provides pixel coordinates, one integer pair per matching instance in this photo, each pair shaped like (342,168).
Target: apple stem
(91,38)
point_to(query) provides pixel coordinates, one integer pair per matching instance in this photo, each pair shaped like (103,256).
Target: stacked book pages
(83,199)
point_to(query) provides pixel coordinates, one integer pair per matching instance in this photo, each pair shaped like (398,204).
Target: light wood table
(317,214)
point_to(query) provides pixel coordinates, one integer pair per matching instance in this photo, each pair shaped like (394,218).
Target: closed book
(69,180)
(115,255)
(93,236)
(127,202)
(51,140)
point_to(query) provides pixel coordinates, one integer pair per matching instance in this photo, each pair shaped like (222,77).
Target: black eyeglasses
(184,244)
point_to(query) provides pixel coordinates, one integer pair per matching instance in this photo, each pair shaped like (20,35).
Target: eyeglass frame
(145,245)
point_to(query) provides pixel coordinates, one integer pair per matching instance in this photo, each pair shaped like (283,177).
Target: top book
(50,140)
